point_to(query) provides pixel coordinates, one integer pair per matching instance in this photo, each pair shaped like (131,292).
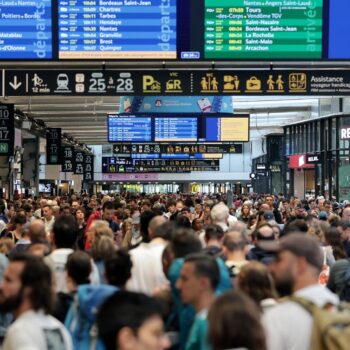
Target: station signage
(345,133)
(68,159)
(312,158)
(7,129)
(156,148)
(88,168)
(53,146)
(260,166)
(170,82)
(79,157)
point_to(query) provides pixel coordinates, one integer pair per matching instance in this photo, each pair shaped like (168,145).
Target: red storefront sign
(298,161)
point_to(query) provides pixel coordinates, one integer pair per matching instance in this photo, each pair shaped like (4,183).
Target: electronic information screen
(25,29)
(112,29)
(178,128)
(209,30)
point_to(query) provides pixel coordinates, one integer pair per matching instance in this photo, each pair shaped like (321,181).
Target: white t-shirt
(288,325)
(147,269)
(37,331)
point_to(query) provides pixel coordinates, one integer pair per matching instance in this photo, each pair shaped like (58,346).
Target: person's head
(118,268)
(333,239)
(234,241)
(298,225)
(171,206)
(199,275)
(37,233)
(78,270)
(165,231)
(264,232)
(269,201)
(27,285)
(344,230)
(108,210)
(19,221)
(145,219)
(198,208)
(245,211)
(312,204)
(75,205)
(154,223)
(146,205)
(255,280)
(346,214)
(298,262)
(185,242)
(327,206)
(79,213)
(213,233)
(47,212)
(229,318)
(220,213)
(179,204)
(10,210)
(28,210)
(102,245)
(131,321)
(197,224)
(65,232)
(66,210)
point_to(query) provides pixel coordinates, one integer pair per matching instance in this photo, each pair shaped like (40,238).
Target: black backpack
(345,293)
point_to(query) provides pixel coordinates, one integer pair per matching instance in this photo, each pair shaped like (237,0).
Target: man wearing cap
(269,200)
(296,271)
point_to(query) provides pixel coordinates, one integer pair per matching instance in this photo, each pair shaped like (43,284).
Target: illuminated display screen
(178,128)
(174,30)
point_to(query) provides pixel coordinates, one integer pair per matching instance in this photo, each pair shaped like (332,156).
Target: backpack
(345,293)
(81,317)
(331,325)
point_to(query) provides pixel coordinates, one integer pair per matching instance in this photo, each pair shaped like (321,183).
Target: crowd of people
(174,271)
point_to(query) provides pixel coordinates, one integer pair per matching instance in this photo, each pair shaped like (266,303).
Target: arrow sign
(15,85)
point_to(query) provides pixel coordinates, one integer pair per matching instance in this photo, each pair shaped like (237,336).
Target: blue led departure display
(25,29)
(112,29)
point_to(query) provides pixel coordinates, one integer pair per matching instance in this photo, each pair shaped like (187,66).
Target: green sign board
(245,29)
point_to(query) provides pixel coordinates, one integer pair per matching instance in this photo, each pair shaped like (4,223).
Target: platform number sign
(7,129)
(79,157)
(68,160)
(88,168)
(53,146)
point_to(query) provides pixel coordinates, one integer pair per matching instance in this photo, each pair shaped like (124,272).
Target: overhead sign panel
(156,148)
(161,82)
(26,30)
(68,159)
(7,129)
(53,146)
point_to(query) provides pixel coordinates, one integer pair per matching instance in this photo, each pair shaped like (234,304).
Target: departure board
(25,29)
(265,29)
(176,129)
(129,128)
(113,29)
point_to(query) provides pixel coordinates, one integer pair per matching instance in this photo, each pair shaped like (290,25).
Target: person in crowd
(171,207)
(27,292)
(344,229)
(333,240)
(147,272)
(235,249)
(64,235)
(23,243)
(80,217)
(78,271)
(255,280)
(230,318)
(28,212)
(262,233)
(129,320)
(197,283)
(48,218)
(16,234)
(214,235)
(220,216)
(199,212)
(245,212)
(269,200)
(296,271)
(198,228)
(118,269)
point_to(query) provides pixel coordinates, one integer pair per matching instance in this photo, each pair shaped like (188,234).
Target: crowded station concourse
(174,271)
(174,174)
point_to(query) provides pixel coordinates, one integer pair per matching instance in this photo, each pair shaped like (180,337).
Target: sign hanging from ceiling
(177,82)
(68,159)
(53,146)
(7,129)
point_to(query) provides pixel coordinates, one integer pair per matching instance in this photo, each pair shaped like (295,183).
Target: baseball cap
(300,245)
(322,215)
